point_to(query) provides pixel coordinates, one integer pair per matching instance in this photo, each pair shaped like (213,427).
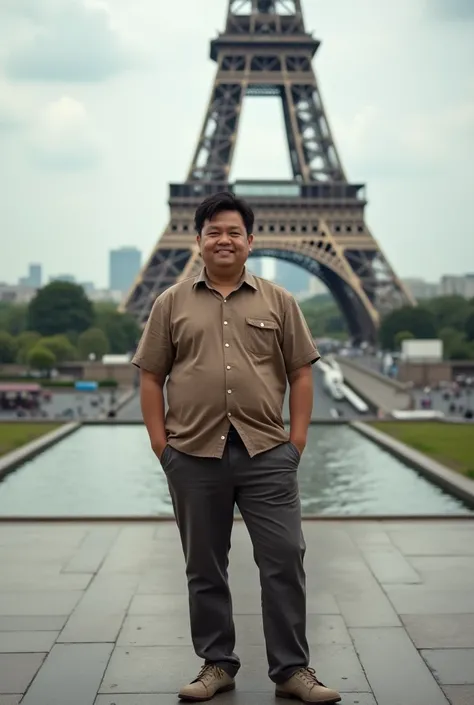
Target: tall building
(124,265)
(34,277)
(462,285)
(422,289)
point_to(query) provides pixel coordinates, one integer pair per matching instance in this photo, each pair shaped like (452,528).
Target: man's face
(224,242)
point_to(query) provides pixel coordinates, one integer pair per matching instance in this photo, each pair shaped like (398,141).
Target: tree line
(61,324)
(450,318)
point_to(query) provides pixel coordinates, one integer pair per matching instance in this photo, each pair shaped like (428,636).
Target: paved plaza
(96,614)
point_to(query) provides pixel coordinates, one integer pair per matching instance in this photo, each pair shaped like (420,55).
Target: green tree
(8,347)
(401,336)
(469,327)
(13,317)
(449,311)
(25,341)
(60,307)
(324,317)
(61,347)
(461,351)
(452,340)
(40,358)
(121,329)
(92,341)
(418,321)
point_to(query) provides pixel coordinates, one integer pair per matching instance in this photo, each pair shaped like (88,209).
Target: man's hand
(158,447)
(299,443)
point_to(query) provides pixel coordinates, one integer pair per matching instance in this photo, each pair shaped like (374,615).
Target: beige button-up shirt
(227,361)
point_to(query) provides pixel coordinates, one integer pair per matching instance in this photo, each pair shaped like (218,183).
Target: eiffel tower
(316,220)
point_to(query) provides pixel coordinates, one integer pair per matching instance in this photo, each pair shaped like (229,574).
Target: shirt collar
(247,279)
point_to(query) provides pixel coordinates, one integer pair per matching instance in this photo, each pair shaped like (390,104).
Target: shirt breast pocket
(261,336)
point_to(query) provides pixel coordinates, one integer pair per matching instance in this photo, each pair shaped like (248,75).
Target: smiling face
(224,243)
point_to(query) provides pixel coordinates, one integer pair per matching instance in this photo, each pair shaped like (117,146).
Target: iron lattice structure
(315,220)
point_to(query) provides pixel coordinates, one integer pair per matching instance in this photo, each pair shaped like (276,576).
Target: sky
(101,104)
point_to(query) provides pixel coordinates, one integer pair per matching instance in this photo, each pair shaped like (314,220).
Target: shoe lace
(308,676)
(208,672)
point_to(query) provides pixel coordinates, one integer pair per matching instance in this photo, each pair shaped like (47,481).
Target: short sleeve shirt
(226,361)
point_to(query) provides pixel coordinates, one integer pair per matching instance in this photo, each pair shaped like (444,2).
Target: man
(227,342)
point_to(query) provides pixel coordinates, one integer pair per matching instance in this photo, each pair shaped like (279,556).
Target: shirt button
(228,367)
(225,323)
(225,301)
(229,391)
(227,345)
(222,438)
(229,414)
(262,325)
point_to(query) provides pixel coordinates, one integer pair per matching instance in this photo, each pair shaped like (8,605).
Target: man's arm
(154,357)
(301,405)
(300,353)
(153,409)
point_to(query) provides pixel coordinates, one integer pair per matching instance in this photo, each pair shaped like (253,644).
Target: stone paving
(96,614)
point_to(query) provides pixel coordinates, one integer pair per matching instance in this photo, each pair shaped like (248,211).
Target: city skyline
(94,176)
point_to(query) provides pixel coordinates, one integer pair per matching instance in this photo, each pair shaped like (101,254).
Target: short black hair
(224,201)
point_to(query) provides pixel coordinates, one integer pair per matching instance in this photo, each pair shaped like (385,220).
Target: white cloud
(68,41)
(15,107)
(64,138)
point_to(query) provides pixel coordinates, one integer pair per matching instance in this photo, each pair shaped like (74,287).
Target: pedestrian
(227,342)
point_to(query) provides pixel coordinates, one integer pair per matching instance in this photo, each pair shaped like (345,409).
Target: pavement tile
(18,623)
(445,572)
(418,599)
(165,669)
(367,609)
(440,631)
(26,642)
(21,581)
(451,666)
(131,551)
(237,697)
(435,540)
(18,670)
(394,668)
(458,694)
(99,615)
(89,556)
(389,565)
(10,699)
(38,603)
(71,674)
(174,630)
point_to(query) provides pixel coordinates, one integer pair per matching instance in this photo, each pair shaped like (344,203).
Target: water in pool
(111,471)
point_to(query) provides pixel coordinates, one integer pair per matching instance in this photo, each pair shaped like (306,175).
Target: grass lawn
(14,435)
(450,444)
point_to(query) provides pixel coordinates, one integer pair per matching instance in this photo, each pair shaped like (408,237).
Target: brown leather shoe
(303,685)
(210,681)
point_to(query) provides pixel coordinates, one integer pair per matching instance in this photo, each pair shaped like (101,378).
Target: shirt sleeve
(155,352)
(299,348)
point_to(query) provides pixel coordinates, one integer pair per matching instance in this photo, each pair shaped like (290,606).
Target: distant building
(422,289)
(462,285)
(16,293)
(105,296)
(124,266)
(34,277)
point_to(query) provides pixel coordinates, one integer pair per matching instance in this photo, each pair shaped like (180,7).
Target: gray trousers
(204,492)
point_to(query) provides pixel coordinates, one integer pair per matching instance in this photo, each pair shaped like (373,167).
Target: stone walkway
(96,614)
